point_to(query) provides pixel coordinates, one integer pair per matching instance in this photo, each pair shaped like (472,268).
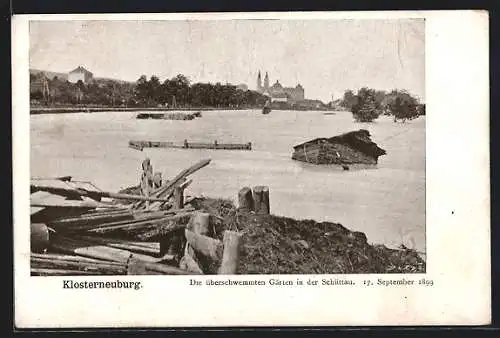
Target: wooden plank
(68,204)
(73,258)
(60,272)
(231,254)
(167,189)
(207,246)
(79,265)
(136,225)
(122,245)
(84,189)
(135,218)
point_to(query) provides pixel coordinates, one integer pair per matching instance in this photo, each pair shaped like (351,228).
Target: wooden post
(231,254)
(39,237)
(157,180)
(261,198)
(172,244)
(178,197)
(207,246)
(199,224)
(245,200)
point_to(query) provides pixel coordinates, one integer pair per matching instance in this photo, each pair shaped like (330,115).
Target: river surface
(387,203)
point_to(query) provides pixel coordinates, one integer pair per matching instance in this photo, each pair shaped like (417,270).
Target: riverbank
(281,245)
(68,110)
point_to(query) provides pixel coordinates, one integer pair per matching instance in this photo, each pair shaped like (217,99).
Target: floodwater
(387,203)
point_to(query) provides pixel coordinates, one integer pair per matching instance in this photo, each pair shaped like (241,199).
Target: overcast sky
(325,56)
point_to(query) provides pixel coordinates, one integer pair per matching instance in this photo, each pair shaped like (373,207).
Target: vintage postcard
(251,169)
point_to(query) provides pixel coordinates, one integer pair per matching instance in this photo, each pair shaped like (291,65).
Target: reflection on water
(387,203)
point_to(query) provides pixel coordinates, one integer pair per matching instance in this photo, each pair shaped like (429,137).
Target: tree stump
(39,237)
(245,200)
(231,254)
(261,198)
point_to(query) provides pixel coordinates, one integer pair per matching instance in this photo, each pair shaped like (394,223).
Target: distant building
(280,97)
(80,73)
(278,93)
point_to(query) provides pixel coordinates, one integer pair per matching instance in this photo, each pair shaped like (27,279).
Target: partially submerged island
(355,147)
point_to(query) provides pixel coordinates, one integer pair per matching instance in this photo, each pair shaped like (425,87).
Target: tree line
(368,104)
(173,92)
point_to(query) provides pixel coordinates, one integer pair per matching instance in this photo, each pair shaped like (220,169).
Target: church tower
(259,83)
(266,82)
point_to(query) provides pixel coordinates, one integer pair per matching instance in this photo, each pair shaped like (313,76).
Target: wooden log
(186,184)
(131,197)
(261,198)
(178,197)
(150,245)
(60,272)
(86,266)
(39,237)
(138,225)
(82,192)
(104,253)
(207,246)
(73,258)
(166,189)
(189,264)
(136,218)
(123,245)
(245,200)
(69,204)
(89,219)
(80,248)
(137,266)
(231,254)
(199,223)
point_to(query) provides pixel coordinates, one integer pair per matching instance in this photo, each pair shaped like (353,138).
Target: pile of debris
(281,245)
(78,229)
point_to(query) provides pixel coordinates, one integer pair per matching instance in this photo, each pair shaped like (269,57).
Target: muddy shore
(281,245)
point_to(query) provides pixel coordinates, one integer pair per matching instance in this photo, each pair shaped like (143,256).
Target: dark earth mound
(281,245)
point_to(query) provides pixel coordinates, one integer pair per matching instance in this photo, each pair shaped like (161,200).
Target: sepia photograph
(251,169)
(190,147)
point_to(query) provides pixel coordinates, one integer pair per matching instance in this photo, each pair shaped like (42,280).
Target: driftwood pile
(76,231)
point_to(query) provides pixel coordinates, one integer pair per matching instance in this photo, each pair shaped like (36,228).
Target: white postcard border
(458,243)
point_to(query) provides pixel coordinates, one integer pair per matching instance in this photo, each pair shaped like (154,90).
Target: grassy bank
(281,245)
